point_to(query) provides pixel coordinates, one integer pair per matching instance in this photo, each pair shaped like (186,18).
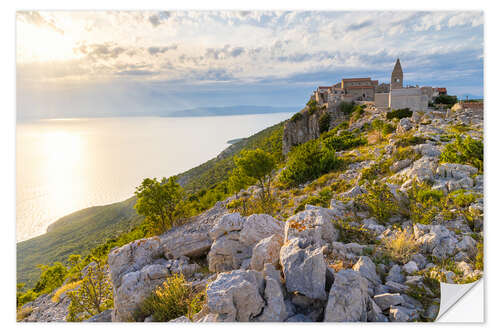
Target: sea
(64,165)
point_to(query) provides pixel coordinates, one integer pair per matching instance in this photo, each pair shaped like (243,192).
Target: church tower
(397,76)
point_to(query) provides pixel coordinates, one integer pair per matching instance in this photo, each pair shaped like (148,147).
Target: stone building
(397,76)
(411,98)
(361,89)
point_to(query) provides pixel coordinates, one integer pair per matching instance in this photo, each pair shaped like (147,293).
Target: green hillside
(75,233)
(80,232)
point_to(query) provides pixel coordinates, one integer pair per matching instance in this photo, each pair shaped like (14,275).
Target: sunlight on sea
(64,165)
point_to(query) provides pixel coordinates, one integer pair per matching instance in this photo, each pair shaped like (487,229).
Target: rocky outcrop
(234,238)
(348,298)
(236,296)
(304,126)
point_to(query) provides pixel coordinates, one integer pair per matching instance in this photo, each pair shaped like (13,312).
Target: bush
(307,162)
(354,234)
(357,113)
(173,299)
(347,108)
(446,99)
(425,203)
(402,246)
(388,129)
(345,140)
(380,201)
(94,293)
(399,114)
(409,140)
(322,199)
(324,122)
(52,277)
(376,170)
(296,117)
(464,151)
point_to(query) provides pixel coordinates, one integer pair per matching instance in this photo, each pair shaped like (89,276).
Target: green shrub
(464,151)
(345,140)
(347,108)
(380,201)
(296,117)
(399,114)
(376,170)
(425,203)
(173,299)
(409,140)
(357,113)
(52,277)
(324,122)
(354,234)
(322,199)
(388,129)
(94,293)
(307,162)
(446,99)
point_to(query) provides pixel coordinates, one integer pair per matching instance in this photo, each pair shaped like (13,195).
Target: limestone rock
(402,314)
(102,317)
(266,251)
(275,308)
(259,226)
(385,301)
(236,296)
(304,269)
(227,223)
(348,298)
(395,274)
(411,267)
(314,225)
(227,253)
(367,269)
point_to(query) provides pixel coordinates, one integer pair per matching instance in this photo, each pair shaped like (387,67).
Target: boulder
(132,257)
(402,314)
(348,298)
(395,275)
(367,269)
(259,226)
(304,269)
(275,308)
(266,251)
(226,224)
(227,253)
(314,225)
(411,267)
(385,301)
(236,296)
(102,317)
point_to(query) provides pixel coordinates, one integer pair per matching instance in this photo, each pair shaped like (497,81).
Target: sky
(132,63)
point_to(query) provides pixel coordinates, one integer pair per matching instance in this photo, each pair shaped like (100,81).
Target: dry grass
(65,288)
(402,246)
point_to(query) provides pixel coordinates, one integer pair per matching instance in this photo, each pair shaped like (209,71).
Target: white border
(492,222)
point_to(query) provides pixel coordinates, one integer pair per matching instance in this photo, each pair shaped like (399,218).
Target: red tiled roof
(357,79)
(360,87)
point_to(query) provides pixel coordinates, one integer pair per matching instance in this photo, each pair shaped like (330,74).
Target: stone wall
(411,98)
(382,100)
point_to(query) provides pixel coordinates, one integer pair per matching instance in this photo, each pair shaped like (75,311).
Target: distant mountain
(231,111)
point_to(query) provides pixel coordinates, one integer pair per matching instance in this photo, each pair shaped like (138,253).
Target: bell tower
(397,76)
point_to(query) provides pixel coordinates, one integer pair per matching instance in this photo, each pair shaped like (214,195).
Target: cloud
(37,19)
(158,18)
(223,53)
(154,50)
(101,51)
(359,26)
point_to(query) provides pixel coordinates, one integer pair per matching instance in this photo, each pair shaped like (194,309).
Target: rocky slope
(333,264)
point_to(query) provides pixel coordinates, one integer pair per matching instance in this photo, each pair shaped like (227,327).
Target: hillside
(75,233)
(83,230)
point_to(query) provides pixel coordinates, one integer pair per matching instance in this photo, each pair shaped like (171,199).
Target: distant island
(230,111)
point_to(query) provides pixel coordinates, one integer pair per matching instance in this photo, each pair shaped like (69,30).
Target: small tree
(160,202)
(51,278)
(257,166)
(94,295)
(378,126)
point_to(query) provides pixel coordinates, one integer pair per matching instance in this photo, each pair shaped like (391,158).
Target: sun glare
(36,43)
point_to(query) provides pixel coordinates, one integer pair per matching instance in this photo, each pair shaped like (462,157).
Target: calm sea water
(66,165)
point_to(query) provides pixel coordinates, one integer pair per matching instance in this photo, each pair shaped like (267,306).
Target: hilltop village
(367,91)
(354,209)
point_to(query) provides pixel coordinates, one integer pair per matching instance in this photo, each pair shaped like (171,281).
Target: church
(392,96)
